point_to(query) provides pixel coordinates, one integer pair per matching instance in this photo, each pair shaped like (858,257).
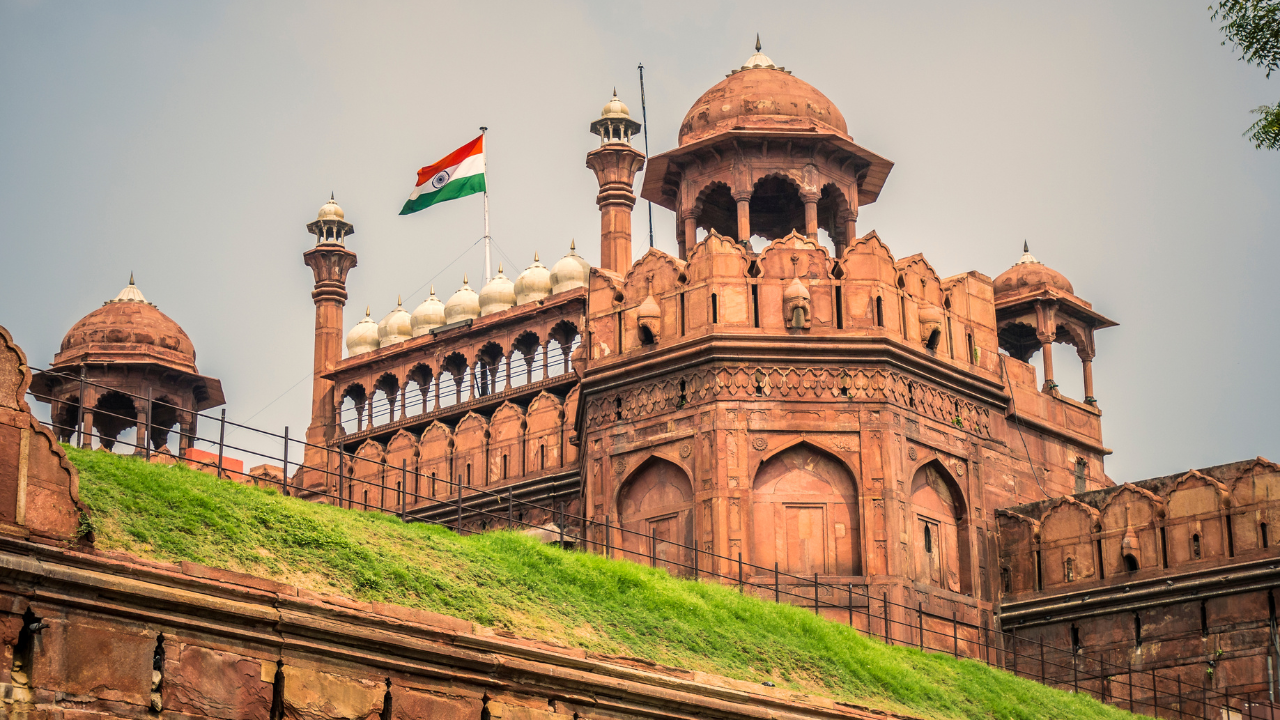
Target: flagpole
(488,275)
(644,115)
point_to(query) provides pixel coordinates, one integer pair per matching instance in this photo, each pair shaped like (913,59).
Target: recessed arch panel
(804,514)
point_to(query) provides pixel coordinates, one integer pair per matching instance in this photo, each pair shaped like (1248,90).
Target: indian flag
(459,174)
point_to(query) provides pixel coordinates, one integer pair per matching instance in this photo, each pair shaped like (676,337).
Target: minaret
(330,261)
(615,164)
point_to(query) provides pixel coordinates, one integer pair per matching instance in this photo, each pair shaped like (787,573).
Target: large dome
(761,97)
(1029,272)
(129,320)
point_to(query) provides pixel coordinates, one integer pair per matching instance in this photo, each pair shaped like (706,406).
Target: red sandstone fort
(850,416)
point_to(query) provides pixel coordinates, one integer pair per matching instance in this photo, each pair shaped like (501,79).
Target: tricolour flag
(459,174)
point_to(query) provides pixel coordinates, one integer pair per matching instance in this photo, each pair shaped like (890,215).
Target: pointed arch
(804,513)
(940,513)
(655,510)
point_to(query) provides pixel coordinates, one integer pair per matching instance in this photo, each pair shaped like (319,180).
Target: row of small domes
(500,293)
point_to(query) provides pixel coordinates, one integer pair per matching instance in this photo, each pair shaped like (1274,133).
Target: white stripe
(473,165)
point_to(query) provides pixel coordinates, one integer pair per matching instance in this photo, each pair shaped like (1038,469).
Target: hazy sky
(192,142)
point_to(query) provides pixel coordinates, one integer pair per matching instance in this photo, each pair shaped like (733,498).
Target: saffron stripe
(473,165)
(461,187)
(475,147)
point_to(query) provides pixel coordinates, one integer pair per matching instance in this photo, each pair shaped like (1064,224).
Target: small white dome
(428,316)
(130,293)
(571,271)
(396,327)
(497,295)
(534,283)
(463,305)
(363,337)
(330,211)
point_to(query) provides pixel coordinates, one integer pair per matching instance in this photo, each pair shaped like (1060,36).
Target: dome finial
(1025,247)
(130,277)
(366,311)
(433,289)
(331,192)
(465,281)
(757,42)
(535,256)
(399,302)
(571,244)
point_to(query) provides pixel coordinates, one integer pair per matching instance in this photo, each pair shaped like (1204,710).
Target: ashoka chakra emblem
(440,179)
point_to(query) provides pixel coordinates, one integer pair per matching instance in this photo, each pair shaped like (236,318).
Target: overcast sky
(191,143)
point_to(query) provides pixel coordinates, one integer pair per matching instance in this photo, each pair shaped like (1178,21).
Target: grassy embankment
(506,580)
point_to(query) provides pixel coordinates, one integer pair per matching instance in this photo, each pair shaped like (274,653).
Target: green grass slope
(506,580)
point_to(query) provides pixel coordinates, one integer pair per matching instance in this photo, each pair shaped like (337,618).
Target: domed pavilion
(126,365)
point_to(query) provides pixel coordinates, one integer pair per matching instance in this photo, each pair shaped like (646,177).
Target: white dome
(534,283)
(464,305)
(130,293)
(396,327)
(428,315)
(363,337)
(497,295)
(571,271)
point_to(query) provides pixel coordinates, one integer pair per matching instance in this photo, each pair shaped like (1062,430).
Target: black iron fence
(1143,690)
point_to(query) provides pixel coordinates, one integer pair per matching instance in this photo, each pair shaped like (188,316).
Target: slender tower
(615,164)
(330,261)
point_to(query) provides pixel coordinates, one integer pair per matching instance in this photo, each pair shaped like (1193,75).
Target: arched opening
(646,336)
(420,379)
(114,413)
(655,510)
(718,211)
(776,208)
(351,409)
(527,344)
(1262,535)
(164,415)
(879,311)
(715,309)
(566,337)
(941,519)
(383,409)
(1195,546)
(804,514)
(832,206)
(1130,563)
(934,338)
(456,366)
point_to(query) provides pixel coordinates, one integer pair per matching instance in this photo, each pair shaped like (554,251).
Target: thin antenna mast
(644,116)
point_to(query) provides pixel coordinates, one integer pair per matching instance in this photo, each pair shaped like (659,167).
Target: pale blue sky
(191,143)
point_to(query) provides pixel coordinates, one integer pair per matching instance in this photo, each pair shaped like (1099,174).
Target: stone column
(690,236)
(1087,361)
(545,373)
(1046,349)
(615,165)
(810,214)
(86,429)
(744,217)
(140,442)
(439,378)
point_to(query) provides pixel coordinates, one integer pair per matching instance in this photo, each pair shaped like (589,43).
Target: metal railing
(1141,690)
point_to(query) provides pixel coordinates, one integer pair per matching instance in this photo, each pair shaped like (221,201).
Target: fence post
(1181,700)
(884,608)
(1155,706)
(1128,676)
(739,573)
(955,635)
(816,610)
(777,587)
(1042,677)
(696,573)
(1075,671)
(80,413)
(851,608)
(560,524)
(653,547)
(222,434)
(920,617)
(404,485)
(342,471)
(511,514)
(284,480)
(146,432)
(1013,640)
(458,525)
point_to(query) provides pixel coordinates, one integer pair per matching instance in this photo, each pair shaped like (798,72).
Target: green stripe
(469,185)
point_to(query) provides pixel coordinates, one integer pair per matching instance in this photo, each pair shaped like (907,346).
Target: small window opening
(1195,546)
(1075,639)
(758,384)
(1164,551)
(715,309)
(617,407)
(1231,538)
(468,474)
(1262,535)
(934,338)
(1006,580)
(973,351)
(1204,619)
(542,457)
(684,398)
(1070,570)
(504,466)
(1101,572)
(1137,629)
(1130,563)
(928,540)
(646,336)
(682,314)
(951,343)
(879,311)
(1039,576)
(839,308)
